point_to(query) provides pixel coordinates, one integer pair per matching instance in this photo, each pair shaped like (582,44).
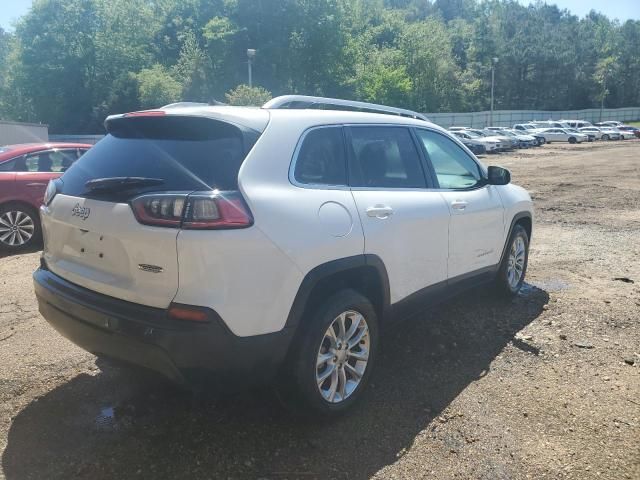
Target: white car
(602,133)
(506,142)
(523,140)
(563,135)
(218,243)
(490,144)
(611,123)
(578,124)
(624,134)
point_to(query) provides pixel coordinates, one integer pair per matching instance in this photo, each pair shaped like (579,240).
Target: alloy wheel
(16,228)
(343,356)
(515,266)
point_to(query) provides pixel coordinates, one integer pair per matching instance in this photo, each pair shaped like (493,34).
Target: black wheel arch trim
(517,217)
(322,271)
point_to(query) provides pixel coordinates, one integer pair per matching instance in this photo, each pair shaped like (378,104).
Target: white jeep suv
(237,245)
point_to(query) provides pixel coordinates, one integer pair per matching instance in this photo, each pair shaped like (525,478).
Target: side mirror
(499,176)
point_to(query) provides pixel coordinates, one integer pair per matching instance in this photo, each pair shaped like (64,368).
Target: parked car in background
(603,133)
(551,124)
(477,145)
(596,132)
(491,144)
(610,123)
(629,128)
(624,134)
(578,124)
(506,142)
(524,140)
(590,136)
(563,135)
(530,129)
(25,171)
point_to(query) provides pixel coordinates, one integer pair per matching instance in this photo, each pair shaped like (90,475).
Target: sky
(10,10)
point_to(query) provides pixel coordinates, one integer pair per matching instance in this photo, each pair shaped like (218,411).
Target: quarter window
(385,157)
(453,167)
(321,159)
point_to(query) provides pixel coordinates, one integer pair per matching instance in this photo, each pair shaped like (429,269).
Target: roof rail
(186,104)
(304,101)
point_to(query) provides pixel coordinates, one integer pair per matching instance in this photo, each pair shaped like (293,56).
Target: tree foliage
(244,95)
(70,63)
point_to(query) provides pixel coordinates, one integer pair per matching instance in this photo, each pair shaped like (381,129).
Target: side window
(321,158)
(9,166)
(35,162)
(454,168)
(63,159)
(385,157)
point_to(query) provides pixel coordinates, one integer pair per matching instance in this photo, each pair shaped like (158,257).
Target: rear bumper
(186,352)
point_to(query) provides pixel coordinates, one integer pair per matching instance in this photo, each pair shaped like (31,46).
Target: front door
(476,225)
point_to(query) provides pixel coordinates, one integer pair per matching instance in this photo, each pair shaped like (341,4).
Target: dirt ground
(543,386)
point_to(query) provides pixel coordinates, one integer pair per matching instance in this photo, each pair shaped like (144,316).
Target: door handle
(36,184)
(379,211)
(459,205)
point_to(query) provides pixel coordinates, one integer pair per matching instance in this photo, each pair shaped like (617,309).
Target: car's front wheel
(335,357)
(572,140)
(514,264)
(19,227)
(605,137)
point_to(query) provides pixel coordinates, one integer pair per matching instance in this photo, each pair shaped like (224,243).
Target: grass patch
(634,124)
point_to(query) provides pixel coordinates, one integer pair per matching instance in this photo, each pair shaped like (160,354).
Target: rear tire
(332,364)
(513,268)
(19,227)
(605,137)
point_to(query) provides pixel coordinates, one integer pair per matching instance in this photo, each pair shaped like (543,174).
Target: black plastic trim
(185,352)
(514,220)
(440,292)
(317,274)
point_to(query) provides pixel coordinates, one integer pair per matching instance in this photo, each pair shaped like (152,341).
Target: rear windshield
(187,153)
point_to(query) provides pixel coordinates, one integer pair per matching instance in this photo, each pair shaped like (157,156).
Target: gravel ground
(543,386)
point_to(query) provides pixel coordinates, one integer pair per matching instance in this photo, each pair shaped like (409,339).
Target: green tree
(157,87)
(244,95)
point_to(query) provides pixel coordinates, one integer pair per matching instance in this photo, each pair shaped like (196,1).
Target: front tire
(605,137)
(336,354)
(514,264)
(19,227)
(572,140)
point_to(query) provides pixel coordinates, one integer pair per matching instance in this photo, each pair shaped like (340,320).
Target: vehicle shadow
(117,425)
(32,249)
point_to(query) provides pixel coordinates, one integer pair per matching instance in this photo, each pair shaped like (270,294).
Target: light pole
(251,53)
(494,60)
(604,92)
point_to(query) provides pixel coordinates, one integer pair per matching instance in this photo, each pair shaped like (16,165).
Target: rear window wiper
(115,184)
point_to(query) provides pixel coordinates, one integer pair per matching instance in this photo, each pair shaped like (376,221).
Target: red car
(25,171)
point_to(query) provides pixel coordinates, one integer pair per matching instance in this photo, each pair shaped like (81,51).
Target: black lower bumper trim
(185,352)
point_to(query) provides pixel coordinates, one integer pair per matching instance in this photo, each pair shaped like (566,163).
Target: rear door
(92,237)
(477,217)
(404,222)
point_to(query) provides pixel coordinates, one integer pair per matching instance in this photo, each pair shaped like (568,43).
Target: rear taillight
(51,191)
(216,210)
(161,210)
(198,211)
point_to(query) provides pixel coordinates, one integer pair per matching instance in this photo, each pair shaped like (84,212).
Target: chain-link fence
(508,118)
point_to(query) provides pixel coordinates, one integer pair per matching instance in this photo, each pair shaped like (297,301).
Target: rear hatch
(151,162)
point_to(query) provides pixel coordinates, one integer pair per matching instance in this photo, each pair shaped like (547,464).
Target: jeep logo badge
(81,212)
